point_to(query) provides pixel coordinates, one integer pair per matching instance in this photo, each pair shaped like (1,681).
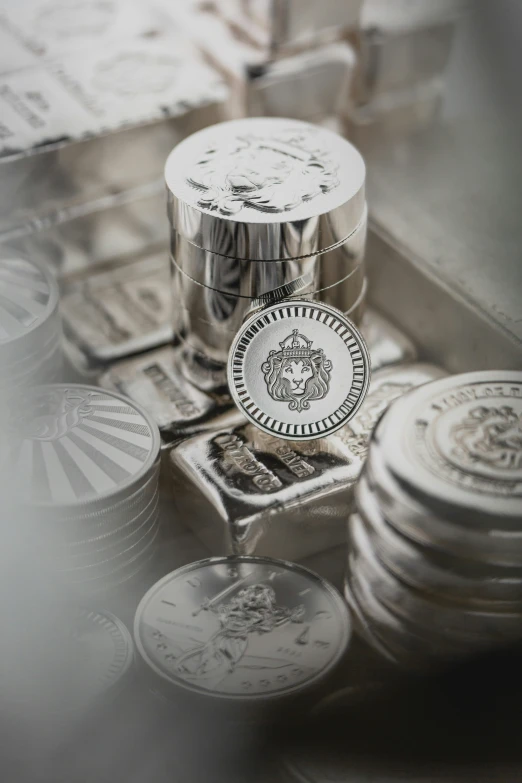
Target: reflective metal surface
(246,491)
(225,181)
(242,630)
(123,311)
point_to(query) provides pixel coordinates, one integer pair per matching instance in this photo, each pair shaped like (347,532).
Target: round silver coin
(77,665)
(458,443)
(298,370)
(246,628)
(71,446)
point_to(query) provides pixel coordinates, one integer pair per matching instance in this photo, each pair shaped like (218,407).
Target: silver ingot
(244,491)
(387,344)
(120,312)
(298,370)
(283,627)
(265,189)
(156,382)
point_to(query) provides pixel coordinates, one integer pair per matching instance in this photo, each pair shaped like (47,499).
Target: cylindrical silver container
(256,204)
(30,327)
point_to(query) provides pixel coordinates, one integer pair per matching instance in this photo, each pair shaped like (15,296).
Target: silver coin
(243,628)
(82,661)
(265,189)
(28,307)
(69,447)
(299,370)
(434,570)
(458,443)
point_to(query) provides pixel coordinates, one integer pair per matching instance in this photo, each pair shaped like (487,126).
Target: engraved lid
(298,370)
(455,446)
(265,189)
(242,629)
(28,310)
(75,449)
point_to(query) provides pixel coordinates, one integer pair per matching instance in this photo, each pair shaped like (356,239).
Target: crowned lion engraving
(49,415)
(297,373)
(491,436)
(270,174)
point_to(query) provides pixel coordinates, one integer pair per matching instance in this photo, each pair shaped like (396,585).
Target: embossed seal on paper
(273,173)
(297,373)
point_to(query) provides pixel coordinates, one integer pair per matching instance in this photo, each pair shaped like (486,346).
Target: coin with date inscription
(243,629)
(299,370)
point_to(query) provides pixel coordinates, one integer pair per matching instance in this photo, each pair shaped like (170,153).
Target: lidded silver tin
(82,465)
(30,327)
(255,204)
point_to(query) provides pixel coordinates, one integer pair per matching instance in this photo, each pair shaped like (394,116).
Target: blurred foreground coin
(245,630)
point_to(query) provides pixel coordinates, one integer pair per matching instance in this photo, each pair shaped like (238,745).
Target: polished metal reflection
(266,495)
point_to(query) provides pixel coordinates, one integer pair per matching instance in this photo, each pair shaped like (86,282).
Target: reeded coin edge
(321,313)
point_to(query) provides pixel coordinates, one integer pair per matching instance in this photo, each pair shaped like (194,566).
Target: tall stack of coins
(82,465)
(435,556)
(256,204)
(30,328)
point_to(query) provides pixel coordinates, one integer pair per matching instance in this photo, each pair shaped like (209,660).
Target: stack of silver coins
(82,465)
(256,205)
(30,327)
(435,548)
(245,636)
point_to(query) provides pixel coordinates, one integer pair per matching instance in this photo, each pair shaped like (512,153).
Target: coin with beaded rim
(298,370)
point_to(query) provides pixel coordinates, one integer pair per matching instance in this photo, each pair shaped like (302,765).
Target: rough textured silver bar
(245,491)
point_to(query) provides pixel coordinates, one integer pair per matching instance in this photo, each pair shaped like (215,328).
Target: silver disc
(299,370)
(457,443)
(245,628)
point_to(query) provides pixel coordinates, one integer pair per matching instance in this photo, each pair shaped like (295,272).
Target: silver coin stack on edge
(84,466)
(30,326)
(435,546)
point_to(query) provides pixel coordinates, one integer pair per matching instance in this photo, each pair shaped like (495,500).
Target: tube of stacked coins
(435,548)
(82,464)
(30,328)
(255,204)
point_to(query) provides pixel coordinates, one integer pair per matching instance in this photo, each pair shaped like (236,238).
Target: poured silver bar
(156,382)
(126,310)
(91,110)
(246,491)
(387,344)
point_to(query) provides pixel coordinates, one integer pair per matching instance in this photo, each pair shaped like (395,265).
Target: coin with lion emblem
(298,369)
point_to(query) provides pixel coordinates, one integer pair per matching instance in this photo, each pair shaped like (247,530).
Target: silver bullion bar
(88,236)
(129,88)
(156,382)
(246,491)
(314,85)
(126,310)
(387,344)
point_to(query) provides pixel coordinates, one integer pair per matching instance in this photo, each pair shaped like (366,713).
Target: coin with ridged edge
(244,629)
(299,370)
